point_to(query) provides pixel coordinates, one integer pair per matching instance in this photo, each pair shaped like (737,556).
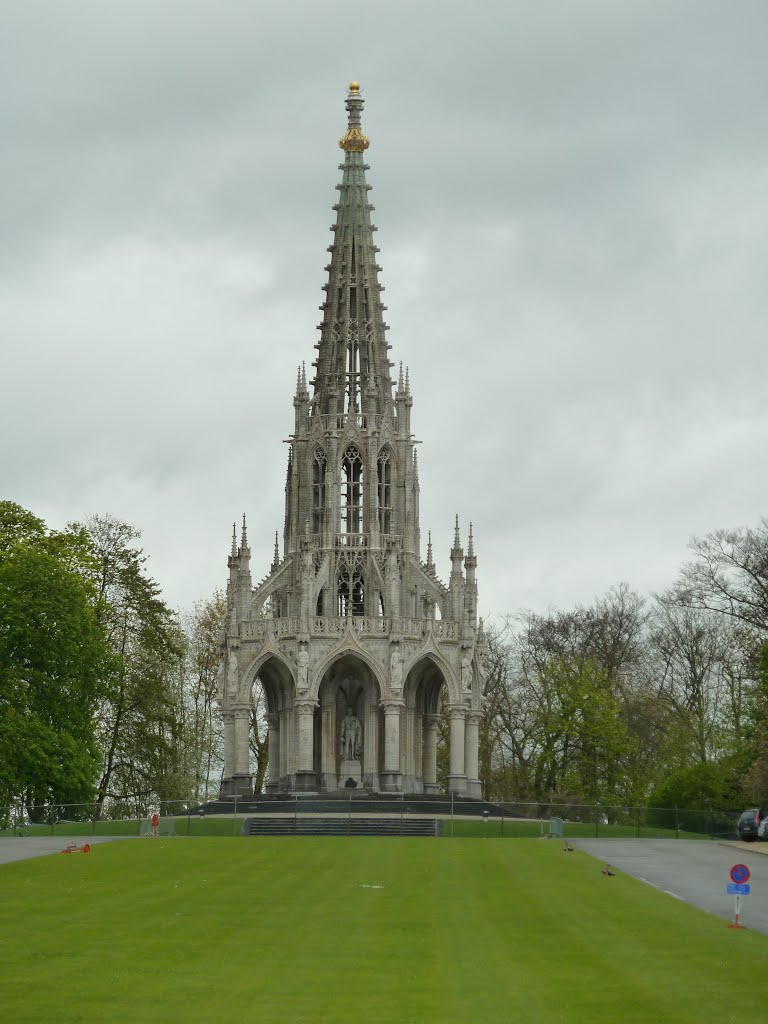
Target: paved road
(695,872)
(39,846)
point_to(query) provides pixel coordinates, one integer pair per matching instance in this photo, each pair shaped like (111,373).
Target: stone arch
(276,675)
(350,645)
(349,696)
(431,654)
(427,684)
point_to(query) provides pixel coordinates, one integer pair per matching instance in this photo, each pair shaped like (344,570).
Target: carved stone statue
(220,677)
(396,668)
(302,670)
(466,669)
(232,679)
(351,738)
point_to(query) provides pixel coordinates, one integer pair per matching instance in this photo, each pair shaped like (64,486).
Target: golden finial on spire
(354,141)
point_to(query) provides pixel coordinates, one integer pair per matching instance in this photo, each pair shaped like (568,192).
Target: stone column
(306,777)
(371,746)
(284,725)
(243,783)
(391,779)
(227,784)
(430,753)
(457,779)
(273,724)
(472,752)
(409,748)
(328,780)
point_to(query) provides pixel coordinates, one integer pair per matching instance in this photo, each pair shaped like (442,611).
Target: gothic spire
(352,365)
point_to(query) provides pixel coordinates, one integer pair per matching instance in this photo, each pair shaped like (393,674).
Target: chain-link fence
(366,814)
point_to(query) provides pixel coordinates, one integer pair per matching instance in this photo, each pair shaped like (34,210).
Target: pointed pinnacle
(400,386)
(470,545)
(244,537)
(456,537)
(408,380)
(234,539)
(429,550)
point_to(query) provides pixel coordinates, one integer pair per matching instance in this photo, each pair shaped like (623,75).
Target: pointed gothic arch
(352,491)
(350,588)
(384,489)
(319,467)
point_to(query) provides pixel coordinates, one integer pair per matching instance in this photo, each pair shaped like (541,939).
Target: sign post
(738,887)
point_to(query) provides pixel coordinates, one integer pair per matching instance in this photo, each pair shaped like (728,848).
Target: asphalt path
(692,871)
(23,847)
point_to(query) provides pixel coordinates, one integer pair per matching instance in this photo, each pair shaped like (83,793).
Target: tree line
(108,696)
(654,701)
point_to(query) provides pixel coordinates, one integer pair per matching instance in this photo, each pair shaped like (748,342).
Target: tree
(55,666)
(756,777)
(692,648)
(729,575)
(202,628)
(140,732)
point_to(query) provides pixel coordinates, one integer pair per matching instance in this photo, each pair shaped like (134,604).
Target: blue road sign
(735,889)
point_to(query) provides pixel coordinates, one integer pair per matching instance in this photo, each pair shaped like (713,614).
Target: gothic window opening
(353,357)
(351,591)
(352,491)
(320,602)
(318,490)
(385,491)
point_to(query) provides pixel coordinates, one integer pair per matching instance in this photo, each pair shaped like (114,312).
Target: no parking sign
(738,887)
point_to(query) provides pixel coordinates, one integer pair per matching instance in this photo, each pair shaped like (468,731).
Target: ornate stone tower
(355,640)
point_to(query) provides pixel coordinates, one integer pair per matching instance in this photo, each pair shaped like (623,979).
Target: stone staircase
(288,825)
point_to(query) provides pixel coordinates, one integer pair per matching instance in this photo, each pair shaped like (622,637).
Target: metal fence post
(452,832)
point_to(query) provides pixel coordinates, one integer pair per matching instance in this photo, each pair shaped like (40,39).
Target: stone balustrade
(363,625)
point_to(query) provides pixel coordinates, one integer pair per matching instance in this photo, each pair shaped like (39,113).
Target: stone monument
(355,640)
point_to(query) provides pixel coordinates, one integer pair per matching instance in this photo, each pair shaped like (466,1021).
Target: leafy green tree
(699,785)
(54,671)
(140,725)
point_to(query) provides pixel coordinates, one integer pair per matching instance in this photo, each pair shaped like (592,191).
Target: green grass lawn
(360,930)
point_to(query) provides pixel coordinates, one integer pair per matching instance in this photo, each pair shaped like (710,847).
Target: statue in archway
(351,738)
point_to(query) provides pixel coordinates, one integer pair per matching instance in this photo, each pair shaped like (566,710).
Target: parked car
(749,823)
(762,830)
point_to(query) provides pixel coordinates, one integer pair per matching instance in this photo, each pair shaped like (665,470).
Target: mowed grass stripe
(343,930)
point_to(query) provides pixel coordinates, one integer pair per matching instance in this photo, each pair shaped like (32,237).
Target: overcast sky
(572,200)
